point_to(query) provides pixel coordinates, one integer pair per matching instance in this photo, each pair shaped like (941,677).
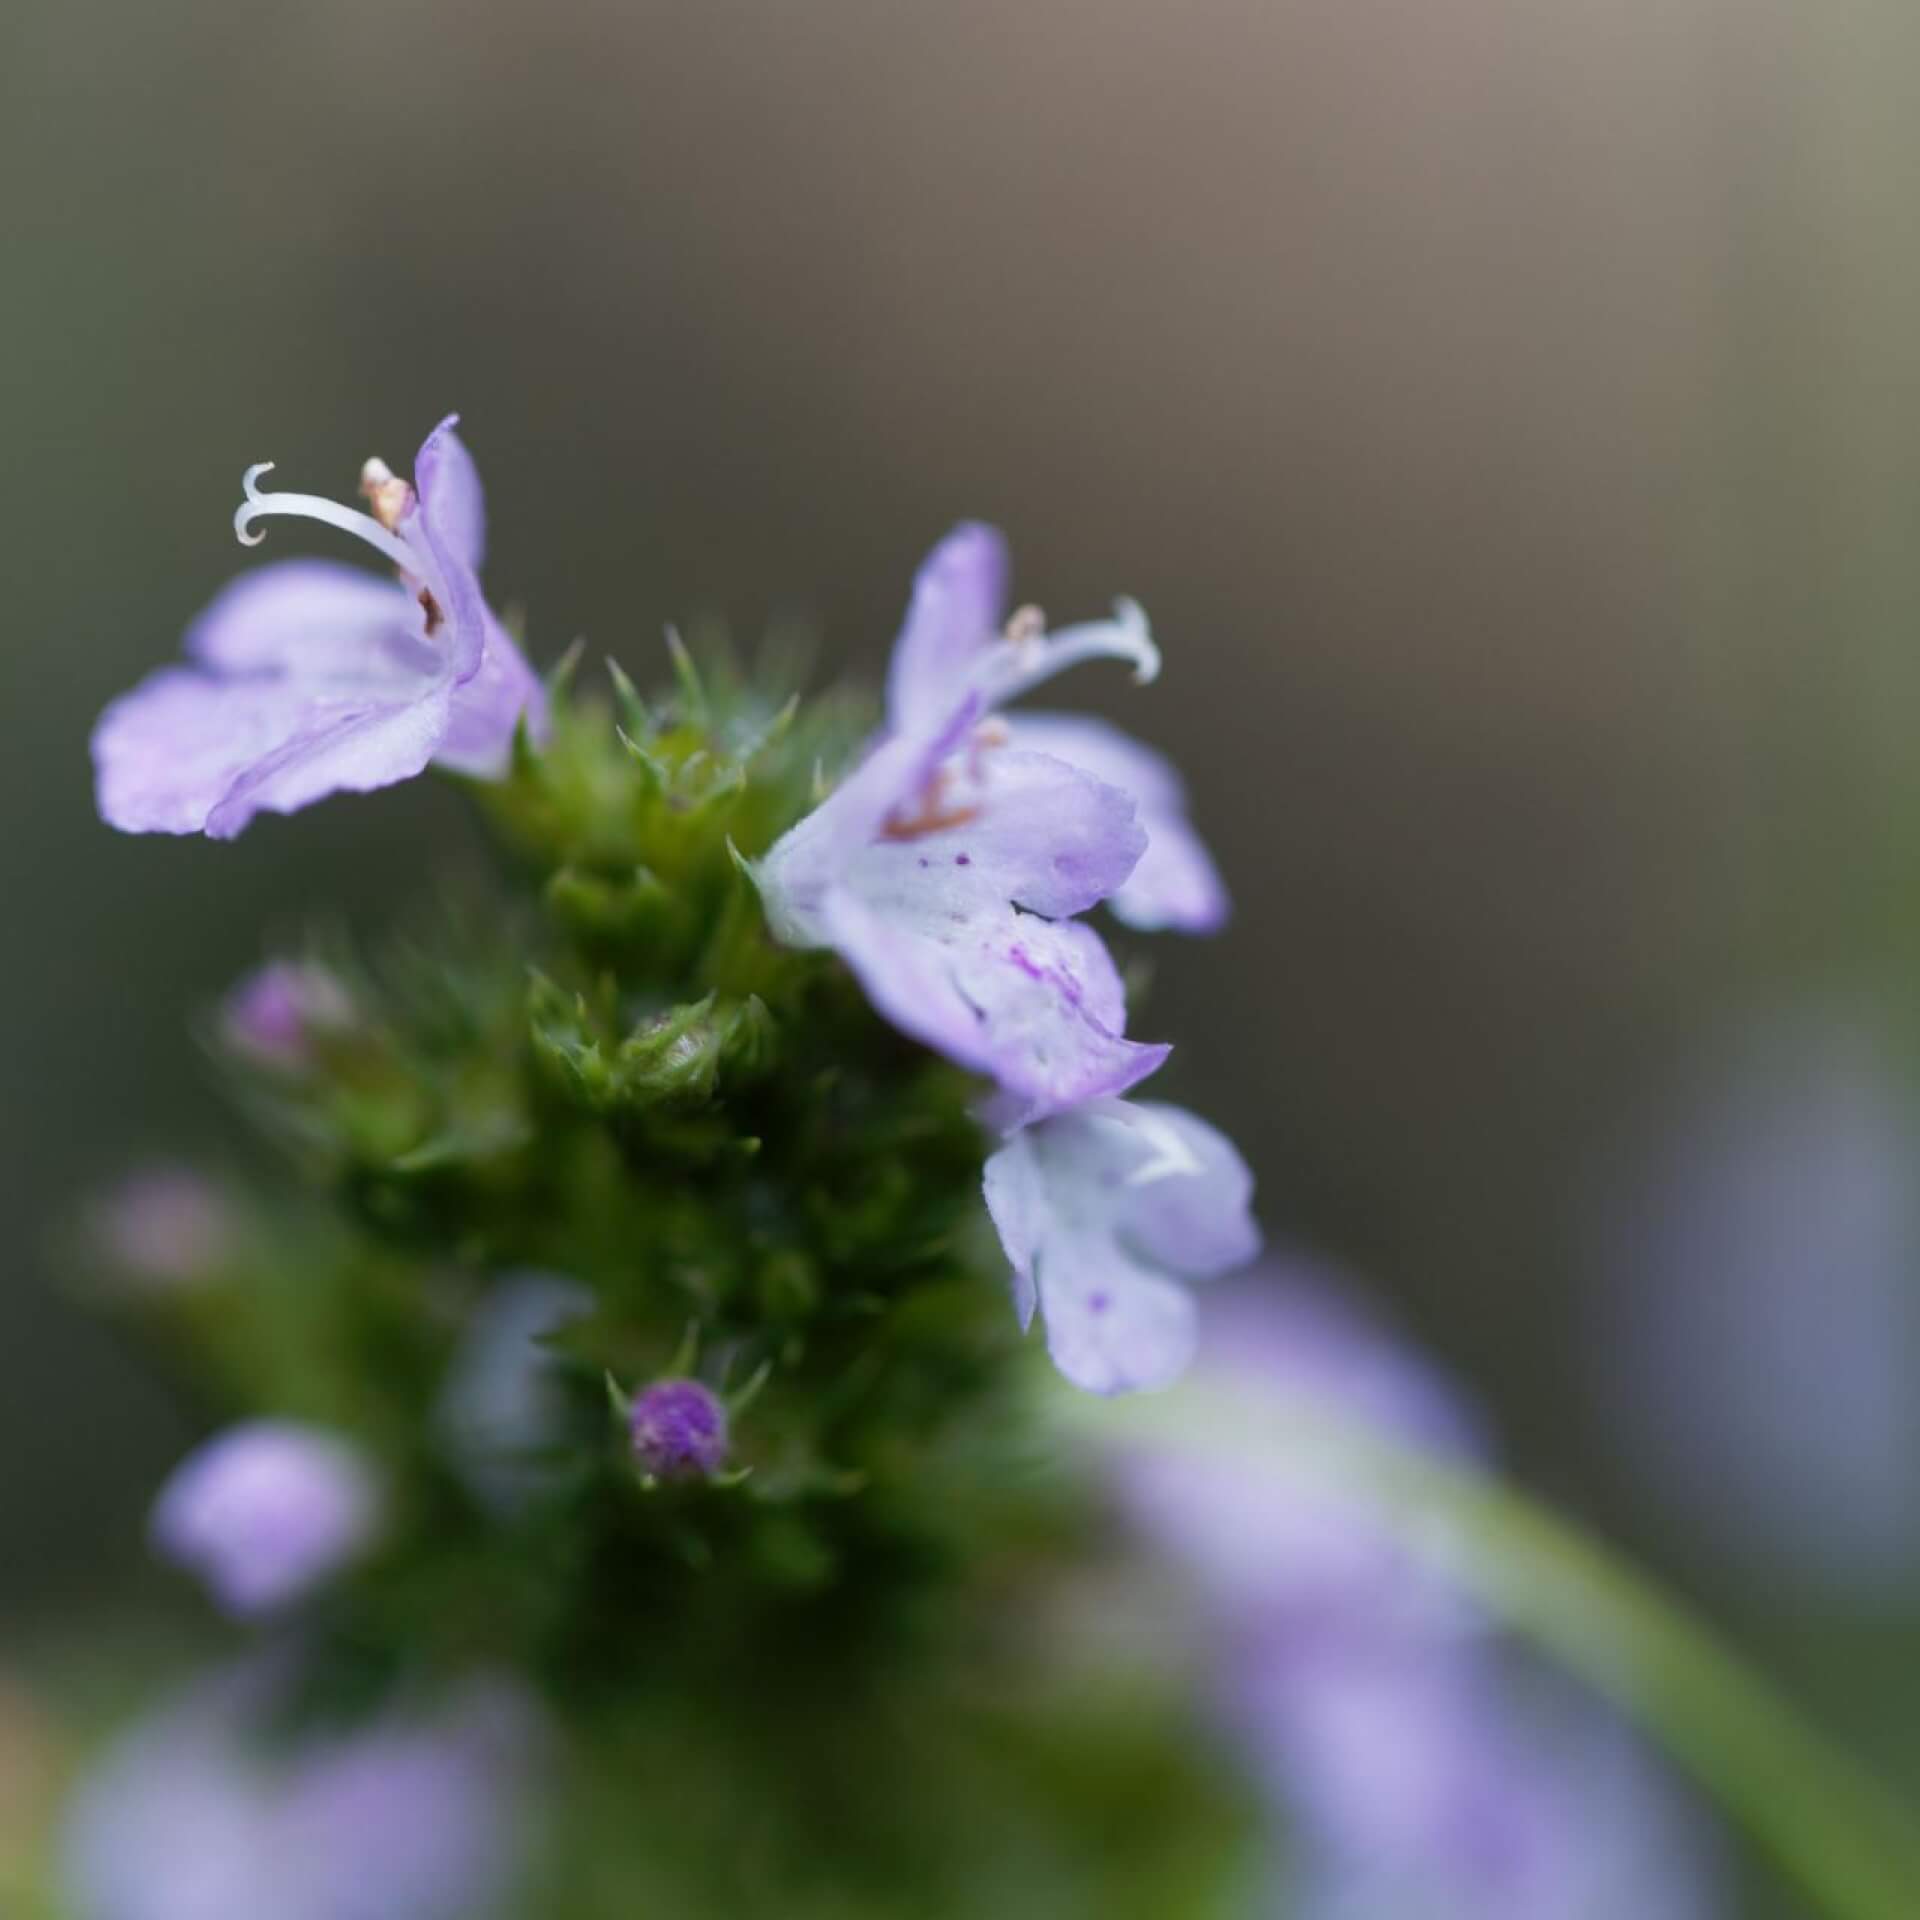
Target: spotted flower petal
(1103,1213)
(944,882)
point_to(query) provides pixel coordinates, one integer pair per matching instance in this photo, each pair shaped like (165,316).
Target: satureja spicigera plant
(631,1390)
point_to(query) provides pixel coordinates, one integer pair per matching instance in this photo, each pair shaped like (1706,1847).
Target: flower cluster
(947,872)
(630,1326)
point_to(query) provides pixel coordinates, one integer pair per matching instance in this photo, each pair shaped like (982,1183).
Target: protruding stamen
(1026,625)
(390,497)
(311,506)
(1026,657)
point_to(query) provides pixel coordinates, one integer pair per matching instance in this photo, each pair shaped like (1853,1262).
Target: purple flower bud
(266,1511)
(167,1226)
(272,1016)
(679,1430)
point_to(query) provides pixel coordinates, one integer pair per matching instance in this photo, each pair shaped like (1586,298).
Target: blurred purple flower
(944,871)
(266,1511)
(272,1015)
(957,638)
(1758,1328)
(1266,1545)
(1102,1213)
(167,1226)
(502,1406)
(206,1812)
(679,1430)
(1414,1776)
(310,678)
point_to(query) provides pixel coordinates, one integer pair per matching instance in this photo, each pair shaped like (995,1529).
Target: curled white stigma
(1028,656)
(311,506)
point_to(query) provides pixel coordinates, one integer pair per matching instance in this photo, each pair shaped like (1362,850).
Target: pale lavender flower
(1263,1543)
(310,678)
(208,1812)
(503,1406)
(167,1227)
(1443,1789)
(1103,1213)
(957,637)
(944,871)
(1416,1778)
(266,1511)
(272,1016)
(679,1430)
(1757,1326)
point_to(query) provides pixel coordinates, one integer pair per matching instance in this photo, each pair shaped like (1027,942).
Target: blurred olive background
(1507,410)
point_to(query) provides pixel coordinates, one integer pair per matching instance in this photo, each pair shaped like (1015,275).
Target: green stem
(1826,1824)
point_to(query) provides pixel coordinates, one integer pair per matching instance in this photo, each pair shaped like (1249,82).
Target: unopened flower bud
(273,1016)
(679,1430)
(167,1227)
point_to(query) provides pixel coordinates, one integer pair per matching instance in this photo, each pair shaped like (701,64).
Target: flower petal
(1114,1326)
(811,857)
(451,500)
(447,529)
(1024,827)
(1098,1209)
(184,752)
(1004,993)
(487,709)
(1189,1208)
(318,621)
(959,600)
(1176,884)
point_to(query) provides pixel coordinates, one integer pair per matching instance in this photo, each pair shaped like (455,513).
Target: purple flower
(679,1430)
(273,1014)
(1102,1213)
(503,1406)
(1445,1788)
(1754,1250)
(1412,1773)
(957,637)
(167,1226)
(206,1812)
(310,678)
(1263,1544)
(946,870)
(266,1511)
